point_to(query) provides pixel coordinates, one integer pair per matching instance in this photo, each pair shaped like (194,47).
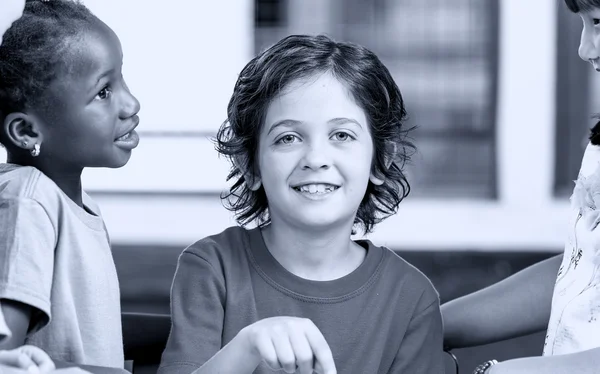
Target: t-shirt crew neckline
(334,290)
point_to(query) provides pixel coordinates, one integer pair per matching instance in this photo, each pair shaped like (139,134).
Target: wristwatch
(481,369)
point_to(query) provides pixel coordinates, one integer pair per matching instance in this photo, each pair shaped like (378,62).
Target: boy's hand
(293,344)
(29,358)
(12,10)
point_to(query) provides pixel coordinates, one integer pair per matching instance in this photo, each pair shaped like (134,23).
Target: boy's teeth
(317,188)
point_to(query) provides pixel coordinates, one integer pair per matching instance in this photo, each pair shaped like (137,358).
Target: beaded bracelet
(481,369)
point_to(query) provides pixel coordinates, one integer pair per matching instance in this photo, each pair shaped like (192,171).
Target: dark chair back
(144,339)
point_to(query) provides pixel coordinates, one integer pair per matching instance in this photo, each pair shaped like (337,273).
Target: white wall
(181,60)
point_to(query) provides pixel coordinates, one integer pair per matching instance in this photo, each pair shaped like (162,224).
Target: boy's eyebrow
(343,120)
(292,122)
(284,122)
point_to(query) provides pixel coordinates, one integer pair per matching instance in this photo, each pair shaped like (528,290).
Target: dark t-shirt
(384,317)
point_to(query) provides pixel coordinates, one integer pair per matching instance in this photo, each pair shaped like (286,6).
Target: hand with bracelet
(485,368)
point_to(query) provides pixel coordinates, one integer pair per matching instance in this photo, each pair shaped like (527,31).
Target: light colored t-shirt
(56,257)
(575,319)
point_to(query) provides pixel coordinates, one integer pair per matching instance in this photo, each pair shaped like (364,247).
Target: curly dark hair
(372,86)
(577,6)
(35,50)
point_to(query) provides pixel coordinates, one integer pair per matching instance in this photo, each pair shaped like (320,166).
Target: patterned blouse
(575,319)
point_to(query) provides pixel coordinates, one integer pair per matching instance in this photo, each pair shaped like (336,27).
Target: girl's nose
(131,106)
(587,46)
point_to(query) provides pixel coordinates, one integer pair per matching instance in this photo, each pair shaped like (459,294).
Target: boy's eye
(342,136)
(287,139)
(104,93)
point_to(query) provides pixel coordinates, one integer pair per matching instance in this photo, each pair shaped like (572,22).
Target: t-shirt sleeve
(421,351)
(27,243)
(197,312)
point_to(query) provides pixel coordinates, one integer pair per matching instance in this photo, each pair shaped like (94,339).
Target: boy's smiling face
(315,154)
(589,47)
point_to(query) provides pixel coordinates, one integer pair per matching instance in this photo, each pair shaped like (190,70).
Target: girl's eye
(596,21)
(341,136)
(287,139)
(104,93)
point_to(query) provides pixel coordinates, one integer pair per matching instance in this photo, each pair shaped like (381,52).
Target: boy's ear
(376,177)
(251,177)
(22,130)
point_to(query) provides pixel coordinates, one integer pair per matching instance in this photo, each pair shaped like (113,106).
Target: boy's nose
(316,157)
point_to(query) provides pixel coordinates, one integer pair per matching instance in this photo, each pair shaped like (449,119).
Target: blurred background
(501,100)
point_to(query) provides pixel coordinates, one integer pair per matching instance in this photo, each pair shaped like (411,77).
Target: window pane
(443,55)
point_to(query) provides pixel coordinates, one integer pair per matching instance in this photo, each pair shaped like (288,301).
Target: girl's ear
(251,178)
(22,130)
(376,177)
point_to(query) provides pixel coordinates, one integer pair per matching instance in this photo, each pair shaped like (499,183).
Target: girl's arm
(516,306)
(17,316)
(585,362)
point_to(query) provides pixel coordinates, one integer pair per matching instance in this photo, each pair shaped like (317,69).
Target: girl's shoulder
(28,183)
(18,181)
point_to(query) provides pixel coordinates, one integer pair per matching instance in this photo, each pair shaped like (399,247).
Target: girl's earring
(36,150)
(24,143)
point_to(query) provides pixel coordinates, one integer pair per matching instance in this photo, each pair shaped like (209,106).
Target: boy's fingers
(321,350)
(266,350)
(285,352)
(319,369)
(303,352)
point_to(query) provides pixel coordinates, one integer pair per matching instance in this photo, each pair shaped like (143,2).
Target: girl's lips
(129,142)
(135,122)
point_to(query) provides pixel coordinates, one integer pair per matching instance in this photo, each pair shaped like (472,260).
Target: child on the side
(30,358)
(317,136)
(561,294)
(64,106)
